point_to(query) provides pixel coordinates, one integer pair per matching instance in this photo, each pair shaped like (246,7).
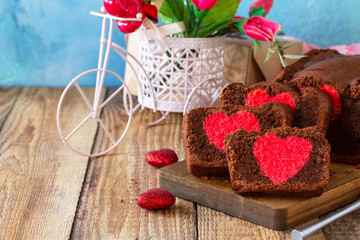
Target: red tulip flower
(266,4)
(260,28)
(204,4)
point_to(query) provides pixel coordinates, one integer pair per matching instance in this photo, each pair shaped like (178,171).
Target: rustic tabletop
(48,192)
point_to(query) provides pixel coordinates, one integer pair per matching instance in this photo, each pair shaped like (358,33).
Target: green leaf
(281,31)
(256,45)
(257,11)
(272,50)
(223,12)
(172,11)
(291,56)
(221,32)
(199,13)
(241,23)
(282,28)
(287,46)
(224,25)
(268,56)
(206,25)
(280,43)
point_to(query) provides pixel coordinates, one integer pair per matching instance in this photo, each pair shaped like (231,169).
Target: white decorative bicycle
(157,91)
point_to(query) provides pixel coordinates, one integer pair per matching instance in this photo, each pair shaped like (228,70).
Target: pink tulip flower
(260,28)
(267,4)
(204,4)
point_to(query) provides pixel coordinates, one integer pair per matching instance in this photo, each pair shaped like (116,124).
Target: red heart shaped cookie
(281,158)
(217,126)
(257,97)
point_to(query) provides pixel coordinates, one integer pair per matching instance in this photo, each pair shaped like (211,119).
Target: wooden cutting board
(272,212)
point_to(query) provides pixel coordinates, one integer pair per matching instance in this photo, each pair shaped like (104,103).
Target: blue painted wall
(320,22)
(46,43)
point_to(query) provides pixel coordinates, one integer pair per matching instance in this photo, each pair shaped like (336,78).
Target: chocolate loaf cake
(344,131)
(312,107)
(283,161)
(328,65)
(337,75)
(204,130)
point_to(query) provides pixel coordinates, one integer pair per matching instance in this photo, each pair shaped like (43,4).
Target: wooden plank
(347,227)
(108,208)
(217,225)
(40,179)
(272,212)
(7,98)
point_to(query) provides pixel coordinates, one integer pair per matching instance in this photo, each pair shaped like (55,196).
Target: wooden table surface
(48,192)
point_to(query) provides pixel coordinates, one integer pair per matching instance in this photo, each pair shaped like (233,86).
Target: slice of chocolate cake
(344,131)
(204,131)
(335,74)
(312,107)
(283,161)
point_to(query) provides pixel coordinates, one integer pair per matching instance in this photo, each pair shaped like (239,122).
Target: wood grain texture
(214,225)
(40,179)
(8,96)
(272,212)
(108,208)
(346,228)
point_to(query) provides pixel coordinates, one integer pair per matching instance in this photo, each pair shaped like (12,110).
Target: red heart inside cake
(281,158)
(257,97)
(217,126)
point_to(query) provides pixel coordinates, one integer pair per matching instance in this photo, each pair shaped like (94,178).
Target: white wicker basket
(186,64)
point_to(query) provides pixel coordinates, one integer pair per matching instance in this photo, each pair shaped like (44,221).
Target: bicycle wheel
(108,122)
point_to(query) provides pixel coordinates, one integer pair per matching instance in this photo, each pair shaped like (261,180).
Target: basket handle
(158,3)
(154,33)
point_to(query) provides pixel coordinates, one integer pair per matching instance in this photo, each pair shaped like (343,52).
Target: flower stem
(198,23)
(283,64)
(190,20)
